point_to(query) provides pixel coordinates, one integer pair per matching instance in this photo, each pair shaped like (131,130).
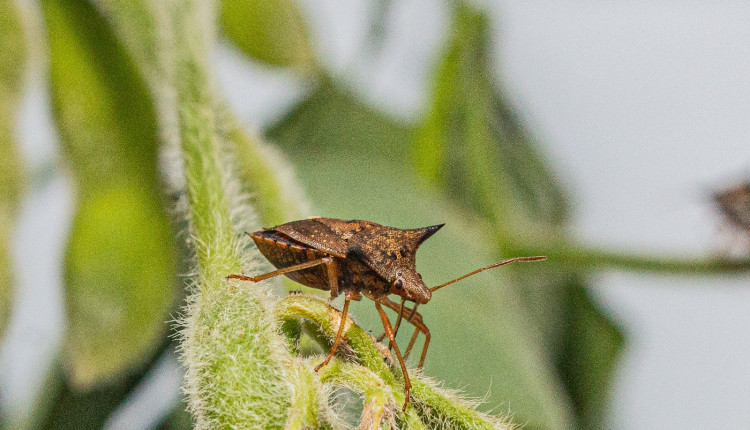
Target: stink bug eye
(357,257)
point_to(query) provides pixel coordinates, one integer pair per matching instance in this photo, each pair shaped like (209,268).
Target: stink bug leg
(389,332)
(340,334)
(332,282)
(398,321)
(306,265)
(415,319)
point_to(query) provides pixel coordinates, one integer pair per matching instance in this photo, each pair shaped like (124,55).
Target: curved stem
(303,408)
(582,257)
(379,397)
(319,312)
(432,407)
(442,409)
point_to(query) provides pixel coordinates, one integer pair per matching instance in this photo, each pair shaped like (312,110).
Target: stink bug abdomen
(283,251)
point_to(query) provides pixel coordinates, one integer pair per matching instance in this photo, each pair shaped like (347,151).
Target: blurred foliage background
(469,162)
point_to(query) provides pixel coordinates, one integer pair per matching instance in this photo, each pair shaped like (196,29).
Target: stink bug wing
(346,229)
(314,234)
(384,249)
(387,250)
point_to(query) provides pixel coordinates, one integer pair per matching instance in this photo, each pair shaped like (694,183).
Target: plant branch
(327,318)
(582,257)
(307,398)
(380,399)
(433,406)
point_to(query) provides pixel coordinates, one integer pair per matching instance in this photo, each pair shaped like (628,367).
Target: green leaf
(121,248)
(70,408)
(455,146)
(271,31)
(121,257)
(592,350)
(267,176)
(473,144)
(355,164)
(178,419)
(12,62)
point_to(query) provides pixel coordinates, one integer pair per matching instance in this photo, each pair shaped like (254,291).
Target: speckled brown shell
(388,250)
(369,255)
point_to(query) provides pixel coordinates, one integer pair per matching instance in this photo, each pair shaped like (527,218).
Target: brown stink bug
(357,258)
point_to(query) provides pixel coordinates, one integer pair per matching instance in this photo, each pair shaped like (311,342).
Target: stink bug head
(391,252)
(405,281)
(409,285)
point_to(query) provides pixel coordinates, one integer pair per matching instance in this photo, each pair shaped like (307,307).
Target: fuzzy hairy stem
(206,172)
(307,398)
(431,405)
(269,178)
(441,408)
(235,359)
(327,319)
(379,397)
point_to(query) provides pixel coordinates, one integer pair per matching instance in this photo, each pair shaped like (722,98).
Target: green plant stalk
(441,408)
(315,309)
(235,359)
(206,173)
(219,326)
(380,401)
(581,257)
(267,175)
(307,398)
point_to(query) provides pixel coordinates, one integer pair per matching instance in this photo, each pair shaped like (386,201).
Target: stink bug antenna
(491,266)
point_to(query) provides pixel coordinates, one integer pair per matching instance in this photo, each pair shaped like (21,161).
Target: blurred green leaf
(472,144)
(355,164)
(178,419)
(271,31)
(6,273)
(73,409)
(455,145)
(121,248)
(591,354)
(12,67)
(120,259)
(267,176)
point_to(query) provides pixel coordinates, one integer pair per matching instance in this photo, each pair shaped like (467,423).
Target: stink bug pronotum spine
(357,258)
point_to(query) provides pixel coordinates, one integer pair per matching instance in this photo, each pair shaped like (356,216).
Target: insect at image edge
(356,258)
